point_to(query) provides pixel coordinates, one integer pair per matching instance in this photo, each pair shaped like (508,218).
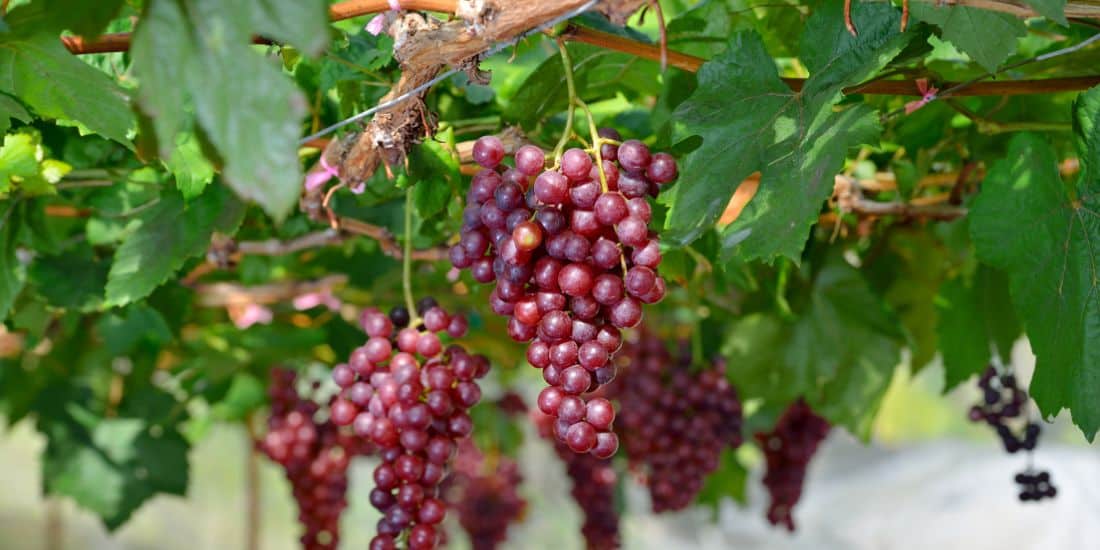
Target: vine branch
(878,87)
(850,199)
(227,294)
(120,42)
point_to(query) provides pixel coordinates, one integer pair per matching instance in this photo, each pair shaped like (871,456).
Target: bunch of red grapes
(408,395)
(593,489)
(788,449)
(674,422)
(1003,403)
(315,455)
(573,260)
(485,495)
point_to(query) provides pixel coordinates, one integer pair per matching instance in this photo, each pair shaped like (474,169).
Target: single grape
(530,160)
(575,164)
(488,151)
(633,156)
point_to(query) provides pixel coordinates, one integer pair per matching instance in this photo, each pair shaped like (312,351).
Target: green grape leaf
(961,333)
(729,480)
(39,71)
(357,60)
(22,167)
(168,234)
(598,73)
(84,18)
(1055,10)
(53,279)
(124,332)
(988,37)
(435,170)
(9,109)
(190,168)
(1044,234)
(750,120)
(246,393)
(11,270)
(18,160)
(111,466)
(303,23)
(1002,325)
(975,319)
(245,106)
(840,353)
(920,262)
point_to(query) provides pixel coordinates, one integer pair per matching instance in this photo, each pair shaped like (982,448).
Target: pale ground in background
(929,481)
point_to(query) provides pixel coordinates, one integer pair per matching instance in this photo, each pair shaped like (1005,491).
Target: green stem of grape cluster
(571,88)
(406,257)
(574,102)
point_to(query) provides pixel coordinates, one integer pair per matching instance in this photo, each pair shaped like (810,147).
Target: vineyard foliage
(144,194)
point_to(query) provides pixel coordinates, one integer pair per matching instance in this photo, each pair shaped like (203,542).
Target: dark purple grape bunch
(314,454)
(409,395)
(593,488)
(788,449)
(1035,486)
(674,422)
(1003,407)
(485,494)
(573,261)
(1003,403)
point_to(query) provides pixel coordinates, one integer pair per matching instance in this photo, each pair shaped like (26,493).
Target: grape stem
(595,143)
(406,260)
(571,88)
(574,102)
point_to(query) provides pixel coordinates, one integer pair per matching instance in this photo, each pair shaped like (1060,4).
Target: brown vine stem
(346,228)
(879,87)
(120,42)
(850,200)
(232,294)
(848,193)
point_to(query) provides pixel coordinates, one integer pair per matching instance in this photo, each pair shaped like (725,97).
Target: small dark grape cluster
(1002,402)
(486,496)
(1003,405)
(573,260)
(315,455)
(787,450)
(674,423)
(408,395)
(593,489)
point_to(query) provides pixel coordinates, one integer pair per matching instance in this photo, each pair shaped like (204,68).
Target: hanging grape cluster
(485,495)
(573,260)
(1004,404)
(593,489)
(787,450)
(674,423)
(315,455)
(408,395)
